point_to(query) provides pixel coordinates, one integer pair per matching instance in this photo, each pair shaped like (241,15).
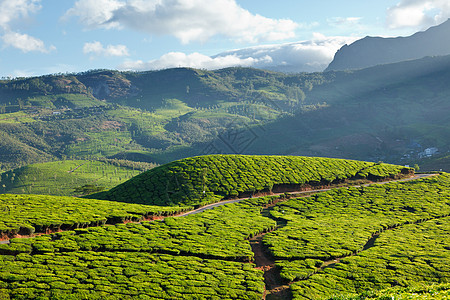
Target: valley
(389,113)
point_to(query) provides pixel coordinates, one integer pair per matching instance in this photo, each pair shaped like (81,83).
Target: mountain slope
(371,51)
(389,112)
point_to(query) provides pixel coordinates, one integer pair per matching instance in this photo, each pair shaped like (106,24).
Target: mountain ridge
(371,51)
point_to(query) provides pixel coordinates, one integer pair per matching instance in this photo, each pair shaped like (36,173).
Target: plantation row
(26,214)
(413,255)
(112,262)
(92,275)
(432,292)
(206,179)
(218,233)
(339,223)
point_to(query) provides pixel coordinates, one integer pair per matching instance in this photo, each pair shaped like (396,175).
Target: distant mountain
(304,56)
(372,51)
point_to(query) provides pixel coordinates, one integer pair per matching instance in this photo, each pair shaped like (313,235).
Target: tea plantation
(368,238)
(205,179)
(384,240)
(26,214)
(70,177)
(202,256)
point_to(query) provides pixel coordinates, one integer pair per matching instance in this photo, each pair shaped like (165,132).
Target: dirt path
(276,287)
(73,170)
(213,205)
(295,193)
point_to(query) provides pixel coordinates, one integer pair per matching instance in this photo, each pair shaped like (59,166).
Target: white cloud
(306,56)
(194,60)
(12,11)
(187,20)
(96,13)
(25,42)
(97,49)
(418,13)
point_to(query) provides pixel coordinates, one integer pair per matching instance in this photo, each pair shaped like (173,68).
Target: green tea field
(354,242)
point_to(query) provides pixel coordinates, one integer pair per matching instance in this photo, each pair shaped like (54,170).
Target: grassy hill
(141,116)
(70,177)
(204,179)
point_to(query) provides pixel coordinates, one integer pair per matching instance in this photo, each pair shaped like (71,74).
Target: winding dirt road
(294,193)
(213,205)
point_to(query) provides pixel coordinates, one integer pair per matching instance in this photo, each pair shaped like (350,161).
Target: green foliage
(435,291)
(67,178)
(375,113)
(203,255)
(26,214)
(194,258)
(205,179)
(121,275)
(219,233)
(341,223)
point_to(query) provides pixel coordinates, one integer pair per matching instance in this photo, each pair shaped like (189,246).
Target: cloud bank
(187,20)
(418,13)
(306,56)
(11,11)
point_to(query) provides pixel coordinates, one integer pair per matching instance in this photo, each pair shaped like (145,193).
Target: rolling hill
(204,179)
(70,177)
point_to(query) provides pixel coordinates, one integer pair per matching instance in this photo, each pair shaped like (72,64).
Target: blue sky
(50,36)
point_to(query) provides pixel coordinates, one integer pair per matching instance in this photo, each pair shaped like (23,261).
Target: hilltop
(204,179)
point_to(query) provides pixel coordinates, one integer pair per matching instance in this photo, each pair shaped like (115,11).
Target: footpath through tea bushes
(207,179)
(208,255)
(339,224)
